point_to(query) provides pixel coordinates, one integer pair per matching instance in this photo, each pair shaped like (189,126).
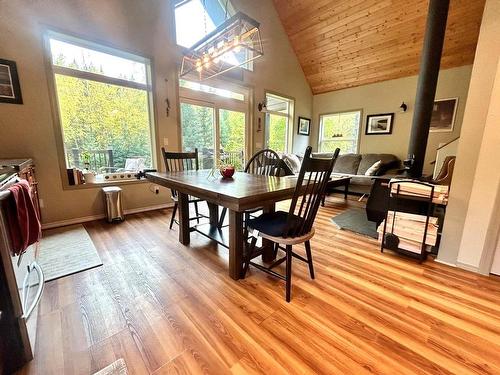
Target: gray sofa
(355,166)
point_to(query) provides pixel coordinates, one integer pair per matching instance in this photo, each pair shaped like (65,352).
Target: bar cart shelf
(404,231)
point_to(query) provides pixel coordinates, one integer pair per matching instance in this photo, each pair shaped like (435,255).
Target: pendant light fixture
(234,43)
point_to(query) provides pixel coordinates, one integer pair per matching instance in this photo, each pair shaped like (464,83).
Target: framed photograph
(379,124)
(10,91)
(443,115)
(304,126)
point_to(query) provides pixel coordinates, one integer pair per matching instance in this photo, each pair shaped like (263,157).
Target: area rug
(65,251)
(354,220)
(116,368)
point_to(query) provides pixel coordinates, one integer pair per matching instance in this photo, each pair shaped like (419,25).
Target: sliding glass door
(232,126)
(198,132)
(215,122)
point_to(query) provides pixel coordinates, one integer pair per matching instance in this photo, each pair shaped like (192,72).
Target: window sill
(101,184)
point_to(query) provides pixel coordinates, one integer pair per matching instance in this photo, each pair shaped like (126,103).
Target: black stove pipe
(427,82)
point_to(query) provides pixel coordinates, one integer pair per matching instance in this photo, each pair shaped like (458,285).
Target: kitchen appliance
(21,287)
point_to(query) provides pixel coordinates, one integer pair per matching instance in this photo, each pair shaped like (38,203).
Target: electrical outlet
(165,141)
(40,203)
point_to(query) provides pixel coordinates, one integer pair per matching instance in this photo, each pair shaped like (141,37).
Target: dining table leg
(183,203)
(236,243)
(267,245)
(213,214)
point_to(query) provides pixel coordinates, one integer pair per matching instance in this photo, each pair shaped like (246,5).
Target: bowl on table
(227,171)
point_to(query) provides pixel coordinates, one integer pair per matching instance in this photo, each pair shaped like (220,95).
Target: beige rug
(65,251)
(116,368)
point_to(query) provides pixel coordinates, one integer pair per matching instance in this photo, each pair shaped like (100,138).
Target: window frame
(290,124)
(320,128)
(52,70)
(216,102)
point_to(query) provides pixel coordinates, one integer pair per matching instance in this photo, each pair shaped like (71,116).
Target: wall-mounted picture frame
(381,123)
(304,127)
(443,115)
(10,90)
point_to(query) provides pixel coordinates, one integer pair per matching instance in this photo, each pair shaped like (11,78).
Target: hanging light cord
(205,16)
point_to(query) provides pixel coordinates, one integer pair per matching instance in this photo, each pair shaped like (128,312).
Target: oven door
(30,282)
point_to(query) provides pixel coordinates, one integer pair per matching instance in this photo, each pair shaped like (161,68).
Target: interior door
(198,131)
(231,137)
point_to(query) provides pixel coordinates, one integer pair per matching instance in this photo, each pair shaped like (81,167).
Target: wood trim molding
(84,219)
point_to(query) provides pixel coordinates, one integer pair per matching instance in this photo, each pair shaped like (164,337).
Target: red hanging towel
(24,225)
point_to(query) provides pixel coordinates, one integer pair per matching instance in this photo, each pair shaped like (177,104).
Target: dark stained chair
(295,226)
(181,161)
(264,162)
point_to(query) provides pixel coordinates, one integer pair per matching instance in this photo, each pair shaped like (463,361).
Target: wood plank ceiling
(348,43)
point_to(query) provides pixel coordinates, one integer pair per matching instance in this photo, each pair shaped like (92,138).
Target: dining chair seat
(272,223)
(191,199)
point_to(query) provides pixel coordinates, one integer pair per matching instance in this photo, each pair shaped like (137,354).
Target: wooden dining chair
(292,227)
(264,162)
(182,161)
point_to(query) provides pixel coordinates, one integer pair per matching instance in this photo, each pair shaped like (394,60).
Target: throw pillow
(372,171)
(293,162)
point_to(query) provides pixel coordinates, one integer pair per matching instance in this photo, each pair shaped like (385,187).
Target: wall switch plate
(40,203)
(165,141)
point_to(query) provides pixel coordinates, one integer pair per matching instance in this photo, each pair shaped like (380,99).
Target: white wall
(386,97)
(472,205)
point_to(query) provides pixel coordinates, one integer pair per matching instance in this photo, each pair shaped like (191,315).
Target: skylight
(196,18)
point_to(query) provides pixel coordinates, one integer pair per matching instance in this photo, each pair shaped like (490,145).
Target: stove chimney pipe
(427,82)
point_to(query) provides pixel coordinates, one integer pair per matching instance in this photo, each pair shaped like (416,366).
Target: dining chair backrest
(311,184)
(180,161)
(264,162)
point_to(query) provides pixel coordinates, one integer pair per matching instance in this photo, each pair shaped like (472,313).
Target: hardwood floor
(165,308)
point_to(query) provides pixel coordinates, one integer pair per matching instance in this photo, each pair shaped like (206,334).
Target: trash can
(113,203)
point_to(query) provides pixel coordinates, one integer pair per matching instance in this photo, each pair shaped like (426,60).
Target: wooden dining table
(242,192)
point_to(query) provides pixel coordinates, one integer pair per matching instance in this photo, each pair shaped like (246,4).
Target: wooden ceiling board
(348,43)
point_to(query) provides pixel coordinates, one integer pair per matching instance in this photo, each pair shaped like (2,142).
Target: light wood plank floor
(165,308)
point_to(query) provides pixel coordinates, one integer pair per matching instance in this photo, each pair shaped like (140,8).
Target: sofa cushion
(361,180)
(292,161)
(322,155)
(372,171)
(348,163)
(388,161)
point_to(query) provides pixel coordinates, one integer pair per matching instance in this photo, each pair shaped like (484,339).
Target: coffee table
(337,181)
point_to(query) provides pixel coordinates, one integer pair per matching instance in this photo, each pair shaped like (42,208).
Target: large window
(279,123)
(339,130)
(104,101)
(214,121)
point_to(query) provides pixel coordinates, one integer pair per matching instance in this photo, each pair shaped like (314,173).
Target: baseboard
(149,208)
(84,219)
(445,263)
(468,267)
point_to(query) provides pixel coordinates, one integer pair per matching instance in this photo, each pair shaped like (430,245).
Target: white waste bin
(113,203)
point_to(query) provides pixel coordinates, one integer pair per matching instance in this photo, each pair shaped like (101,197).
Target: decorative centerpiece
(227,171)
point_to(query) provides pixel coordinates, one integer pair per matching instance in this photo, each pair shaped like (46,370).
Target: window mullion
(98,77)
